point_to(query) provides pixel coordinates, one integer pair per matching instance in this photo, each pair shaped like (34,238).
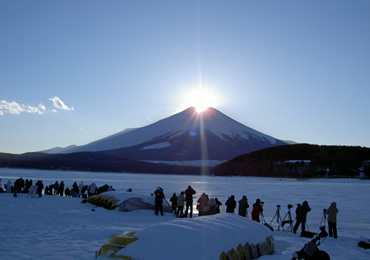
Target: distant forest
(300,160)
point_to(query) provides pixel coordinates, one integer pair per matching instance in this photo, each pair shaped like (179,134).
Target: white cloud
(15,109)
(58,103)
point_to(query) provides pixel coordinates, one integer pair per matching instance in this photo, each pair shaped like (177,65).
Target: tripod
(277,216)
(288,220)
(323,220)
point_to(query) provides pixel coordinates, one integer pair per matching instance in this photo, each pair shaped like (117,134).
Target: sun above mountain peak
(201,98)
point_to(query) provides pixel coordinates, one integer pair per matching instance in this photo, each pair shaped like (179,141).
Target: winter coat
(230,205)
(173,200)
(257,209)
(93,188)
(189,194)
(332,212)
(202,202)
(302,212)
(159,196)
(8,186)
(243,205)
(181,200)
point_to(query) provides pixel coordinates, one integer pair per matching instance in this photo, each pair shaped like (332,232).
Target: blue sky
(72,72)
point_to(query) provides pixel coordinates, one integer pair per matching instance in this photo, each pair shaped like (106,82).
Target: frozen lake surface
(67,227)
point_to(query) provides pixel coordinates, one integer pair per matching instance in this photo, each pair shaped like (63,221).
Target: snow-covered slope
(185,133)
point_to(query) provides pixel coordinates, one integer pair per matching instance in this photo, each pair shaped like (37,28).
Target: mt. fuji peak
(188,135)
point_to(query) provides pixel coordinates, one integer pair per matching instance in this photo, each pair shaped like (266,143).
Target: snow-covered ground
(64,228)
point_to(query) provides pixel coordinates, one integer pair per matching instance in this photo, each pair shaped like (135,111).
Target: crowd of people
(58,189)
(205,205)
(210,206)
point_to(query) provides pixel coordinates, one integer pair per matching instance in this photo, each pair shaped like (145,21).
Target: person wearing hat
(257,210)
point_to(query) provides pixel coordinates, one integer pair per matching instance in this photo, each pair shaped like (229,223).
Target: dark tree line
(324,161)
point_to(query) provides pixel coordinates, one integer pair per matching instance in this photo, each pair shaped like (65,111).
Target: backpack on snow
(364,244)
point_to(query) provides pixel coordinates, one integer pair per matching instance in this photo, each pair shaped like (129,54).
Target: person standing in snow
(159,196)
(173,200)
(218,205)
(257,210)
(202,203)
(8,186)
(40,186)
(332,212)
(92,189)
(180,204)
(61,188)
(243,205)
(56,188)
(230,204)
(189,192)
(301,212)
(80,187)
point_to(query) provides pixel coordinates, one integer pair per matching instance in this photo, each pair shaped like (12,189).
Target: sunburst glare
(201,98)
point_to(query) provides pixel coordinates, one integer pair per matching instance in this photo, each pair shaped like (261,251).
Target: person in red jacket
(257,210)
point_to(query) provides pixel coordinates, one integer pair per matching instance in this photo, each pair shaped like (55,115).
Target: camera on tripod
(290,206)
(278,206)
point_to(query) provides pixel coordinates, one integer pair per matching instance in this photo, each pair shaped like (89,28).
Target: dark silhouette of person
(218,205)
(40,186)
(257,210)
(189,192)
(243,206)
(159,196)
(301,213)
(230,204)
(61,188)
(18,186)
(332,212)
(173,200)
(56,188)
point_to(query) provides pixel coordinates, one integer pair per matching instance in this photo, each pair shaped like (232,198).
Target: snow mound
(126,201)
(191,238)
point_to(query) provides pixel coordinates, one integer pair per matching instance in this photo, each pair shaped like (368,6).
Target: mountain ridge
(187,135)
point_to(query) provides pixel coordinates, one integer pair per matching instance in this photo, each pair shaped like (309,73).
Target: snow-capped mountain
(188,135)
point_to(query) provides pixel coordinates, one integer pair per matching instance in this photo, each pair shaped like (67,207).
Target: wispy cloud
(15,108)
(58,103)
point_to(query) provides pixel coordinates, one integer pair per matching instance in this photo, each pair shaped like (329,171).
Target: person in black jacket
(301,213)
(159,196)
(173,200)
(230,204)
(218,205)
(40,186)
(189,192)
(243,206)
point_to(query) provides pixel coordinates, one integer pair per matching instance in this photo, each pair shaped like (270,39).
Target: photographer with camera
(257,210)
(301,212)
(332,212)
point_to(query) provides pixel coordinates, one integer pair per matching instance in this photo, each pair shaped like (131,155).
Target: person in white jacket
(332,212)
(180,204)
(92,189)
(80,188)
(8,186)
